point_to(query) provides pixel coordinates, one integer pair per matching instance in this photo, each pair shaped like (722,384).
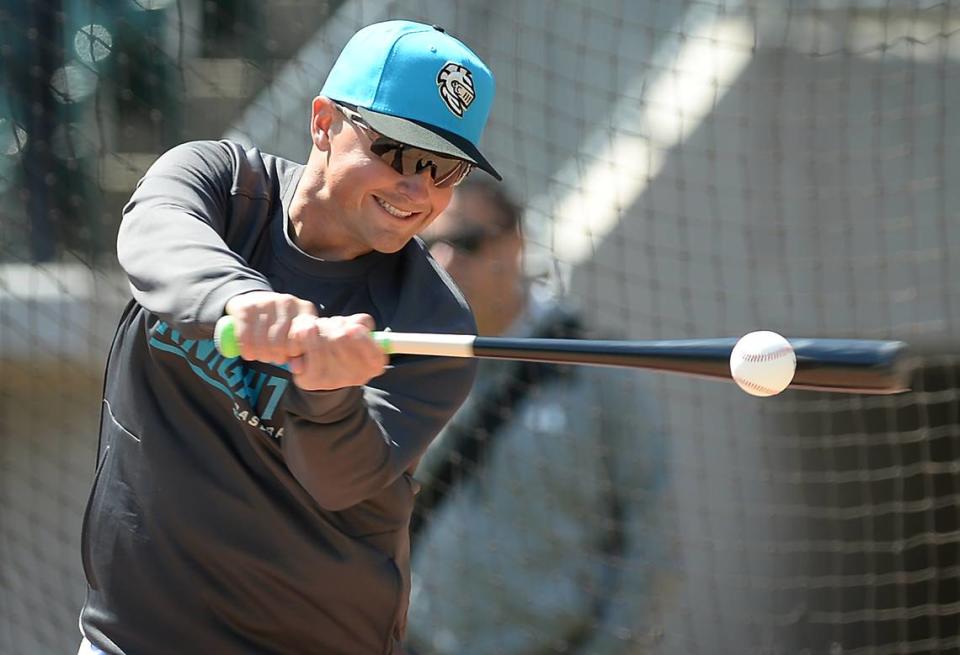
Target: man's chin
(389,246)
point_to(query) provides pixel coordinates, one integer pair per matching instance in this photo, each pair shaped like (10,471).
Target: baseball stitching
(758,387)
(767,357)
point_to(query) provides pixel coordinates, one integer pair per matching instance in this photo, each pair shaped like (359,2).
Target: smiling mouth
(393,211)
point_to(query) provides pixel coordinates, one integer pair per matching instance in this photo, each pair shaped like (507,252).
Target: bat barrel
(847,365)
(855,365)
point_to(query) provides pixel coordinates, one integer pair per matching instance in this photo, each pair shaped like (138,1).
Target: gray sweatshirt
(233,512)
(557,534)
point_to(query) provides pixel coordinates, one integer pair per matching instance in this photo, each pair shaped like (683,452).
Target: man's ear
(322,117)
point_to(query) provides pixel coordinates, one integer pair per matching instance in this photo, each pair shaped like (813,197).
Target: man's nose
(417,187)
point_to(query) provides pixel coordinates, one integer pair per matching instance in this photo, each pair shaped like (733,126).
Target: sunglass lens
(456,175)
(447,172)
(407,160)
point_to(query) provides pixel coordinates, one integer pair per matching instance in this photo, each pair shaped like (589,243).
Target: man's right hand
(334,352)
(322,353)
(262,321)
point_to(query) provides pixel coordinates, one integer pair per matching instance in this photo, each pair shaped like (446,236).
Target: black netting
(687,169)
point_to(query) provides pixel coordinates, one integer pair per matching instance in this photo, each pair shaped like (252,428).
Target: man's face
(375,207)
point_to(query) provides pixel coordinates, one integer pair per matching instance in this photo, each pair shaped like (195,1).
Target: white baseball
(763,363)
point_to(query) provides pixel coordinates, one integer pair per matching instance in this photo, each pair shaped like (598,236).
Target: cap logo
(456,88)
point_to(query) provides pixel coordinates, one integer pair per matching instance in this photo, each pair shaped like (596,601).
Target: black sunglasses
(410,160)
(468,241)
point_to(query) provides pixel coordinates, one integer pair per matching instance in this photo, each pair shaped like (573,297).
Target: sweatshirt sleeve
(171,242)
(347,445)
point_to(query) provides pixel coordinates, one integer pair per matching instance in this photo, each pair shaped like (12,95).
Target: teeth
(393,211)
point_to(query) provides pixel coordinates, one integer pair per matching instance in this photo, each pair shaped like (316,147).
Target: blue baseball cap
(417,85)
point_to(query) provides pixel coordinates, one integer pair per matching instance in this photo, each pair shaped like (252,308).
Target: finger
(367,349)
(298,365)
(250,345)
(363,355)
(299,308)
(364,319)
(286,307)
(362,347)
(314,357)
(277,334)
(305,307)
(259,318)
(300,336)
(377,359)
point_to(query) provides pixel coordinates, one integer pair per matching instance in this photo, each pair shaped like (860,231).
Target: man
(536,529)
(261,505)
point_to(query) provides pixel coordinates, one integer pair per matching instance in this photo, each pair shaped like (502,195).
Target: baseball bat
(836,365)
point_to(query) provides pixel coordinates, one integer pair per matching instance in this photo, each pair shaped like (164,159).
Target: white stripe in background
(616,165)
(278,119)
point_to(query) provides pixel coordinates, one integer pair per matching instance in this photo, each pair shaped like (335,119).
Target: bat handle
(225,338)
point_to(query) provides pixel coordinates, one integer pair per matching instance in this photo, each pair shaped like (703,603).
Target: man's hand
(262,321)
(334,352)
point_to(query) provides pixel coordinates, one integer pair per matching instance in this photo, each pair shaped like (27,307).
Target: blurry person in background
(536,527)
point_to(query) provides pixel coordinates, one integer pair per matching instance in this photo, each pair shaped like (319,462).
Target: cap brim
(427,137)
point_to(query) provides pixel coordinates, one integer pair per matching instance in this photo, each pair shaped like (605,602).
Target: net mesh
(686,170)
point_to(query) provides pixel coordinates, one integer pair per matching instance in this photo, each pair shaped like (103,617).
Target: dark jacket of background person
(552,544)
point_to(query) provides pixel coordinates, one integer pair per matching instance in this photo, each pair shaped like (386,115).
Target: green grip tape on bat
(225,338)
